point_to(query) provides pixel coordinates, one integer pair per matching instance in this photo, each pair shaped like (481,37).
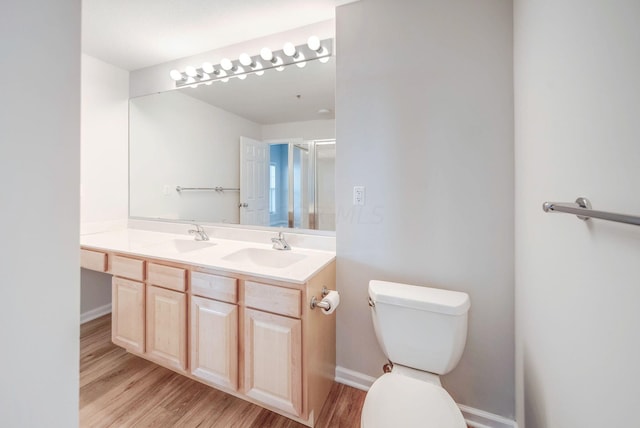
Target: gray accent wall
(425,122)
(39,219)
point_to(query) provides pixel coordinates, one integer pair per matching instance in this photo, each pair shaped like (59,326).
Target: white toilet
(422,331)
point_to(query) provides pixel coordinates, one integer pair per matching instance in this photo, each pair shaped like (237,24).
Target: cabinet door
(273,360)
(127,319)
(214,342)
(167,326)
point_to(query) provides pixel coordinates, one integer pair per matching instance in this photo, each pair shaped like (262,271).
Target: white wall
(40,175)
(104,166)
(307,130)
(425,123)
(577,68)
(105,143)
(181,141)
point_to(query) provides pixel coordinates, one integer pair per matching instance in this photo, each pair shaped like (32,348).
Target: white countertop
(182,248)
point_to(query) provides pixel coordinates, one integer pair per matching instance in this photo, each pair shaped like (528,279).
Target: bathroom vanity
(234,315)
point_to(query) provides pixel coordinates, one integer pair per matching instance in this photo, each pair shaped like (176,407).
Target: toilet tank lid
(418,297)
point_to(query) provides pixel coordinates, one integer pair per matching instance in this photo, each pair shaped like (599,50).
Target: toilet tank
(419,327)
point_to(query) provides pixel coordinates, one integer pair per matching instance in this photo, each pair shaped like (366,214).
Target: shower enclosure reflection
(287,183)
(301,184)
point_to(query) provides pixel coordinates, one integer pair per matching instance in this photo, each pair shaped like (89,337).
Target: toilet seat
(399,401)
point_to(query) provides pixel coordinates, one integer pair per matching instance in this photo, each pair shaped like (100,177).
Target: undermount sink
(265,258)
(186,245)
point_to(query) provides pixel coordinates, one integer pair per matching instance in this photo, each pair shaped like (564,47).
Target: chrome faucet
(279,243)
(201,235)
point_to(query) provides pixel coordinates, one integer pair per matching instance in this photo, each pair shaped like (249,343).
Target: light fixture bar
(208,73)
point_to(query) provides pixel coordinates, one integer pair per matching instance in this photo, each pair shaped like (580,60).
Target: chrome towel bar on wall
(216,189)
(582,209)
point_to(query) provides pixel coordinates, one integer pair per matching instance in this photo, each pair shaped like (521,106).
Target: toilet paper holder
(320,304)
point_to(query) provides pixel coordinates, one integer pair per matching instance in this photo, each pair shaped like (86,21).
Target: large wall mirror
(259,151)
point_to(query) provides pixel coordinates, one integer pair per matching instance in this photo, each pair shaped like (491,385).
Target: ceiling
(134,34)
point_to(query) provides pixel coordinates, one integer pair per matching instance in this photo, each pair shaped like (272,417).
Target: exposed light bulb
(278,63)
(314,43)
(266,54)
(289,49)
(226,64)
(207,67)
(191,71)
(222,73)
(176,75)
(258,66)
(245,60)
(205,76)
(300,60)
(190,80)
(240,69)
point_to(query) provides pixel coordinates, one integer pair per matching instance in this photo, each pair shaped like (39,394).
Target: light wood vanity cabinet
(273,345)
(253,338)
(127,267)
(214,342)
(273,360)
(166,315)
(93,260)
(167,327)
(127,321)
(214,329)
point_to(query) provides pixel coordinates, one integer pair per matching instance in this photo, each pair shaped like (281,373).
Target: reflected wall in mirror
(187,161)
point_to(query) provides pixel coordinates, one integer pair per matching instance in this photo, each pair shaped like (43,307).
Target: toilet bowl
(399,401)
(422,331)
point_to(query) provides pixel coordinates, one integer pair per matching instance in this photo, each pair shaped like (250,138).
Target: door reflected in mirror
(260,151)
(296,180)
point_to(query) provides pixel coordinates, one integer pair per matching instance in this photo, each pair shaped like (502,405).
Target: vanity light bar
(207,73)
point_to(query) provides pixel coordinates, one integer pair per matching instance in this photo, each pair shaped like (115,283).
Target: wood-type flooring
(118,389)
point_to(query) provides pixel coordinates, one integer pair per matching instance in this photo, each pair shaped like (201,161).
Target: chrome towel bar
(582,209)
(214,189)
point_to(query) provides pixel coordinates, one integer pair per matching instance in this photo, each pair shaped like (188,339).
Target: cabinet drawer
(167,276)
(279,300)
(94,260)
(214,287)
(127,267)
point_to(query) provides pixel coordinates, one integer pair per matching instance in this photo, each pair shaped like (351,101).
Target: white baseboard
(353,378)
(475,418)
(95,313)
